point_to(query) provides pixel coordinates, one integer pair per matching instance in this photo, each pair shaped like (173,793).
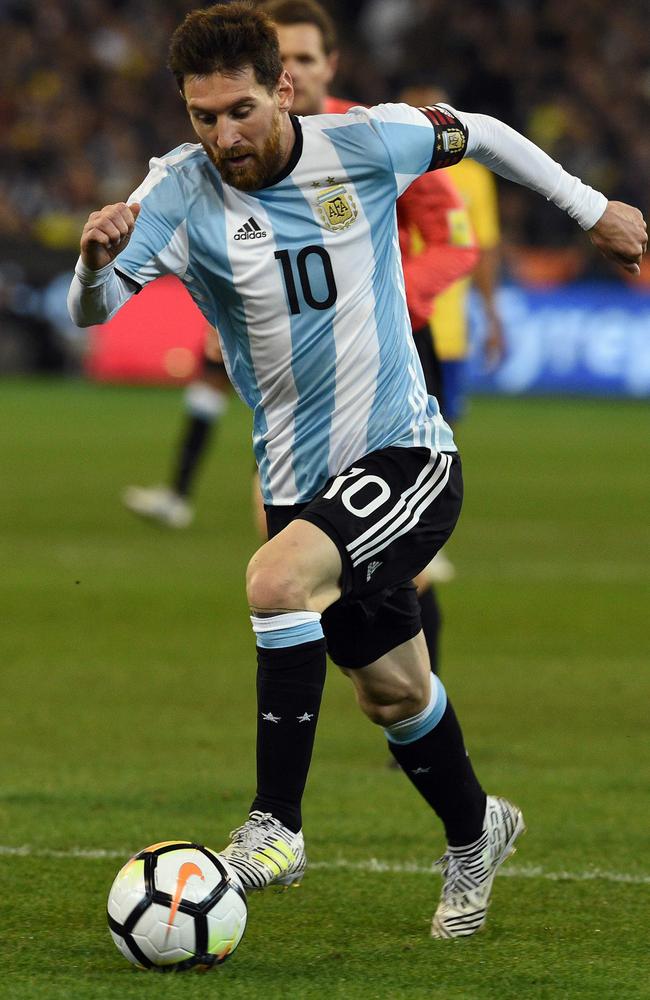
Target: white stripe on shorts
(399,506)
(406,512)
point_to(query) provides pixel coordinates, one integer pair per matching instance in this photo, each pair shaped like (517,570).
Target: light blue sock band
(291,629)
(410,730)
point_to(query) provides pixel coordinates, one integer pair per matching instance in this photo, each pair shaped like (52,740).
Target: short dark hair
(225,38)
(304,12)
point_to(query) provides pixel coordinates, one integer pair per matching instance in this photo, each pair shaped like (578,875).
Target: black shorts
(388,514)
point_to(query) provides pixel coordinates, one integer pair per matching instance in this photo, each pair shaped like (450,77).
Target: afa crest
(453,140)
(337,207)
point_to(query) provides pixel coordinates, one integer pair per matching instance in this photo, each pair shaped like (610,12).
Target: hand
(107,233)
(621,235)
(494,346)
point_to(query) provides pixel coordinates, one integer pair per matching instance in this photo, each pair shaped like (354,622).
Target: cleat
(469,872)
(158,503)
(264,852)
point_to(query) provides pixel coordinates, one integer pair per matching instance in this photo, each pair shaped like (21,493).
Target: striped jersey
(303,279)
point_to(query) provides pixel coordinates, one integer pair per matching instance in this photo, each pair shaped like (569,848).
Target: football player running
(360,474)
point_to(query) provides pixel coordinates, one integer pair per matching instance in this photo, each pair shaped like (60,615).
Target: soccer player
(206,400)
(360,474)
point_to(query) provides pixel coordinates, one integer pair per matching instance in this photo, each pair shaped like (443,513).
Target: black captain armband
(451,137)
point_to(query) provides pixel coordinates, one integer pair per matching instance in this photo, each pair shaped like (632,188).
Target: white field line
(371,865)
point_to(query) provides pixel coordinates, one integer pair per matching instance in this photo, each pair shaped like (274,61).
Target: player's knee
(270,586)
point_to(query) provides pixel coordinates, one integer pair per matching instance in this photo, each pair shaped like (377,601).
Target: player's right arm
(107,233)
(97,291)
(126,245)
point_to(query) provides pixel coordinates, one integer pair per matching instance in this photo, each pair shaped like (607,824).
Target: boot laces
(247,835)
(458,880)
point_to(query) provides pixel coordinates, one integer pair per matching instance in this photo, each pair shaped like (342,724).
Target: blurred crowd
(85,98)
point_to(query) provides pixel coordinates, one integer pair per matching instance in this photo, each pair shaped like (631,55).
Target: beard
(259,169)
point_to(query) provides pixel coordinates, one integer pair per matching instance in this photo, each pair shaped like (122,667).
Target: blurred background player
(449,320)
(206,400)
(477,187)
(437,247)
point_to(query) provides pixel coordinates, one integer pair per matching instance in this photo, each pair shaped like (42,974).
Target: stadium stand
(84,101)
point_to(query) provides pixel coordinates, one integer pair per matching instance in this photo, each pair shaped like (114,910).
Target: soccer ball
(176,905)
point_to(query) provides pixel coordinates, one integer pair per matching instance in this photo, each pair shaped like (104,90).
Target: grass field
(128,712)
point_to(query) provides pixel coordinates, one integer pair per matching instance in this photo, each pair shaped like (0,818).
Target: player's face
(311,70)
(244,129)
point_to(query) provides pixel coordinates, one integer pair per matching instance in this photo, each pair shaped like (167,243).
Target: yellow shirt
(477,188)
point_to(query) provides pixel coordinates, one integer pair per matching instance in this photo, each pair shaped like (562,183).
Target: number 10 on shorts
(359,484)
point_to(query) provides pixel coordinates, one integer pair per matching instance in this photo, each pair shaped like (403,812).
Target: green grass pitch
(128,712)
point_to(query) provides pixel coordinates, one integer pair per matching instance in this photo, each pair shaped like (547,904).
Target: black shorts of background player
(429,607)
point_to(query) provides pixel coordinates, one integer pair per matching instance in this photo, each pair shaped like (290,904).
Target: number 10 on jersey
(301,266)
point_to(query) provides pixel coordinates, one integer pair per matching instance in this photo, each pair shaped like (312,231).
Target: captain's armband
(450,142)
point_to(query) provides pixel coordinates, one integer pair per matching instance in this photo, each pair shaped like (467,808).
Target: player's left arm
(618,230)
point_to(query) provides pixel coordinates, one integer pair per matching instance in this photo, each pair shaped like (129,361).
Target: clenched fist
(107,233)
(621,235)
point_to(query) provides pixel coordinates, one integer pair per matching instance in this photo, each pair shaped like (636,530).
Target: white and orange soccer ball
(175,906)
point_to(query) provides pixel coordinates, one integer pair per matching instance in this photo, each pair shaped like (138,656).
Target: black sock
(290,684)
(438,766)
(194,441)
(431,622)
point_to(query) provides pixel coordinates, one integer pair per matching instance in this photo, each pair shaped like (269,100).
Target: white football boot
(264,852)
(159,503)
(469,871)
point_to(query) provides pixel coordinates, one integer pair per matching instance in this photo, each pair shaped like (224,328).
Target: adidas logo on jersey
(250,231)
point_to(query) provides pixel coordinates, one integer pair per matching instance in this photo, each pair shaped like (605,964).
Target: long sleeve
(95,296)
(511,155)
